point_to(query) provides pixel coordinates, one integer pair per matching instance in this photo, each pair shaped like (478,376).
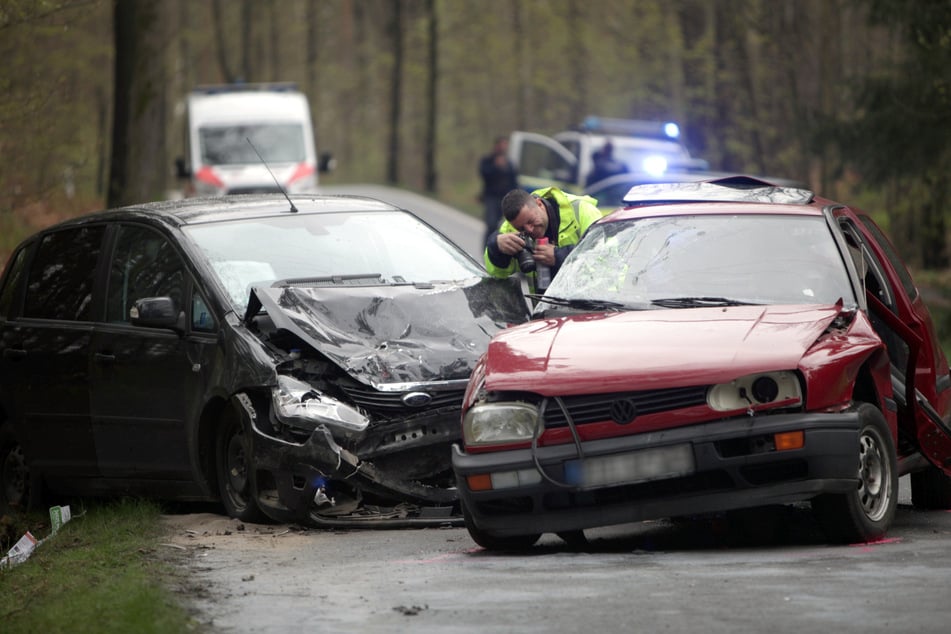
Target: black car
(299,360)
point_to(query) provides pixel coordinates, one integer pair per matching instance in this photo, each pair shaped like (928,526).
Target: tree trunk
(138,167)
(429,151)
(396,89)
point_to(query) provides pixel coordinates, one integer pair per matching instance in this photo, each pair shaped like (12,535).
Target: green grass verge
(99,573)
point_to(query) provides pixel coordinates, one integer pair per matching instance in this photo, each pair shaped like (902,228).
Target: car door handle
(102,357)
(14,353)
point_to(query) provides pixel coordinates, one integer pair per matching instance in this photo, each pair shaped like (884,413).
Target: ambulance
(249,138)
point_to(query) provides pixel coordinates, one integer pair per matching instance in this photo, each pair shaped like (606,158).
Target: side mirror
(326,162)
(157,312)
(181,170)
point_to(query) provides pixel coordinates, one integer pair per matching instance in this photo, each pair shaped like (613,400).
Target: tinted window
(61,279)
(11,283)
(144,265)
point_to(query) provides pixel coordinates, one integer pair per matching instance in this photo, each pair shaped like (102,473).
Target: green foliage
(95,575)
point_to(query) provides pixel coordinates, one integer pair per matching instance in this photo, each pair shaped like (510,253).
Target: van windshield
(228,145)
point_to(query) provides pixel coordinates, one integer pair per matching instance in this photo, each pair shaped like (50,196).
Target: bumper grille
(390,403)
(592,408)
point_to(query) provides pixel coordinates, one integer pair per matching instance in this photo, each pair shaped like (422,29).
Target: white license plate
(629,468)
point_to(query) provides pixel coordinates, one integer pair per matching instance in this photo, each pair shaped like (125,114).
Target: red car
(711,346)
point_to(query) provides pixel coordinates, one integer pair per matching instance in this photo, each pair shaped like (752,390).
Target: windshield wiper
(579,303)
(698,302)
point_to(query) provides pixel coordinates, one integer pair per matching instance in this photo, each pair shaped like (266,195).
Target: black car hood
(398,334)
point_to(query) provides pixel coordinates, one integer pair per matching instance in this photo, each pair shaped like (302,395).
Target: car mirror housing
(156,312)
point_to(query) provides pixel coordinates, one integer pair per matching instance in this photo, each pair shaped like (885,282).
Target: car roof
(235,207)
(733,194)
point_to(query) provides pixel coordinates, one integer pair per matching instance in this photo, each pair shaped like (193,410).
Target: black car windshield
(357,247)
(707,260)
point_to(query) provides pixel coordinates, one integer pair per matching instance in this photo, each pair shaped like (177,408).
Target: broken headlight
(756,391)
(498,423)
(297,403)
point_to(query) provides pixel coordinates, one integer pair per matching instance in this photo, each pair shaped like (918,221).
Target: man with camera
(539,230)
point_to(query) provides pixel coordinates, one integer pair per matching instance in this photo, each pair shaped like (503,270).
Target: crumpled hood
(638,350)
(398,334)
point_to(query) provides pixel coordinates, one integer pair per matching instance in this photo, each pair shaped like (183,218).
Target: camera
(526,260)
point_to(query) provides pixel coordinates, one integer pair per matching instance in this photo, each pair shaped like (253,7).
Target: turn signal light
(789,440)
(479,482)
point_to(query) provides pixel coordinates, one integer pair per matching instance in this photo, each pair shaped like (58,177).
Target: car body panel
(684,347)
(384,335)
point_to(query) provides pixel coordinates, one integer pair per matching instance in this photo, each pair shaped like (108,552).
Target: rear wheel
(931,489)
(511,543)
(19,488)
(233,464)
(866,513)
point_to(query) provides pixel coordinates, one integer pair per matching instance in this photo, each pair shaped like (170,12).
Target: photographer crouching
(538,232)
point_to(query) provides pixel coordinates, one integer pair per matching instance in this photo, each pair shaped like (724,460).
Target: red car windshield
(683,261)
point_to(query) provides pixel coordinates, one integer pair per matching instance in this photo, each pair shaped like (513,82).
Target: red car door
(920,372)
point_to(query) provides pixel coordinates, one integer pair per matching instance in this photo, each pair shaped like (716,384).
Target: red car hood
(647,349)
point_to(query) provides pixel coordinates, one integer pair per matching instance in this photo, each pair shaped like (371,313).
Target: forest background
(852,97)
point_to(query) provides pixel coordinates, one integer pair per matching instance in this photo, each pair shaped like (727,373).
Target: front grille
(591,408)
(390,403)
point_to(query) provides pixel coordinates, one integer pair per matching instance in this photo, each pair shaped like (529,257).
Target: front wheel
(866,513)
(510,543)
(233,465)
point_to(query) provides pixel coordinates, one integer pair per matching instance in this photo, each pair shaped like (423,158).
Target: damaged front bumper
(294,481)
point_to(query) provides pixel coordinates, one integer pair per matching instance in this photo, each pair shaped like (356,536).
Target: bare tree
(396,90)
(429,151)
(138,167)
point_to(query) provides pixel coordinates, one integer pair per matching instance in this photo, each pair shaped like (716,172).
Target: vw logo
(416,399)
(623,411)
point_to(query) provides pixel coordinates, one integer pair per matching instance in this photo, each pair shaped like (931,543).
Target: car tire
(574,539)
(507,543)
(20,488)
(866,513)
(234,471)
(931,489)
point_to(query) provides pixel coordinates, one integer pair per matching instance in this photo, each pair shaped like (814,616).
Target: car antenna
(276,182)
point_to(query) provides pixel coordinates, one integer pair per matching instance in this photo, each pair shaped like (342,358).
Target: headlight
(497,423)
(780,389)
(297,403)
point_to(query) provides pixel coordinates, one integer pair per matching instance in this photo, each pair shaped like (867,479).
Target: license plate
(638,466)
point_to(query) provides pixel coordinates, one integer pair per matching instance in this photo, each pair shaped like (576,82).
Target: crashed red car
(710,347)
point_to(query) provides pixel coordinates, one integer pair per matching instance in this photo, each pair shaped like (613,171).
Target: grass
(98,573)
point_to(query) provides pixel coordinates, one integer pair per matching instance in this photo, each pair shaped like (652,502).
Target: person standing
(498,177)
(605,164)
(546,213)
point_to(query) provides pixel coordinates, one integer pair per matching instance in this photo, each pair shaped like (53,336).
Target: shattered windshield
(706,260)
(330,248)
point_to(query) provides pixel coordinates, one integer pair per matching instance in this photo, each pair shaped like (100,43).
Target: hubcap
(237,465)
(874,477)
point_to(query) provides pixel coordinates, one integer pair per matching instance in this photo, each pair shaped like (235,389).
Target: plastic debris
(22,550)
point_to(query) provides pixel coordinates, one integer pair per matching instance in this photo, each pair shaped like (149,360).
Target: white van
(249,138)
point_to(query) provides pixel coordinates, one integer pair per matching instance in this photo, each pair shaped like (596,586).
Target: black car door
(44,360)
(143,379)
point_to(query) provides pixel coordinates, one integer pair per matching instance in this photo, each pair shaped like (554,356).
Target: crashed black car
(295,359)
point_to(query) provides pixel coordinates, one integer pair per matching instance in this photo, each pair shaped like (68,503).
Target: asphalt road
(770,571)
